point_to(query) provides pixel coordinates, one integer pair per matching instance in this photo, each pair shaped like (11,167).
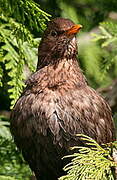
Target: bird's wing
(84,111)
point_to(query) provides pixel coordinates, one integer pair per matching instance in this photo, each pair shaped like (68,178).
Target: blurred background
(22,23)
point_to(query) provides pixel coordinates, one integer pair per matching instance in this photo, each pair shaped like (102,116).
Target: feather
(56,105)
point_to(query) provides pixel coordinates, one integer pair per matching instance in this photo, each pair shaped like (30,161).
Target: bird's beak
(74,29)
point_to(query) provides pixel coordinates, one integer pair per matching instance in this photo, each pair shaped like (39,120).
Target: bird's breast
(62,77)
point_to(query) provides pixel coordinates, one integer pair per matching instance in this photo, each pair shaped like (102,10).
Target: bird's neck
(54,57)
(66,72)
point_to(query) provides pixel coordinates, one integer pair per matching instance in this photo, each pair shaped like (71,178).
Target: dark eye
(53,33)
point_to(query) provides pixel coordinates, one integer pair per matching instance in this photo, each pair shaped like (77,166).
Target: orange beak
(74,29)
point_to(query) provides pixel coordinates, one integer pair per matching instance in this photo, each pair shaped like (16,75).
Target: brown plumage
(57,104)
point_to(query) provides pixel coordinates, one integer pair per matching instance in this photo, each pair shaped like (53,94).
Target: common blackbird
(57,104)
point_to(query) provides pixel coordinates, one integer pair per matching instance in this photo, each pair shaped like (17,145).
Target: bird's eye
(53,33)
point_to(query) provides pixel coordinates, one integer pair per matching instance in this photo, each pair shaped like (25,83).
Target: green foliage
(90,56)
(17,42)
(88,12)
(4,130)
(98,55)
(90,162)
(25,11)
(12,164)
(6,178)
(108,40)
(15,56)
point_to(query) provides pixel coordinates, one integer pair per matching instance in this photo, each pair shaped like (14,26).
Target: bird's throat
(67,51)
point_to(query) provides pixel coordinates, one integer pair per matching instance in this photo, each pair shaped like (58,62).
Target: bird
(57,103)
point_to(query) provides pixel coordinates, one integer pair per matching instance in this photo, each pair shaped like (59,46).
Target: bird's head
(59,41)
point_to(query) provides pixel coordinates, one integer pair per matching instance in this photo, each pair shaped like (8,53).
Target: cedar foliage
(108,39)
(17,41)
(90,162)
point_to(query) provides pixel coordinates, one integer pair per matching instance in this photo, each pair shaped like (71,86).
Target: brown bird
(57,104)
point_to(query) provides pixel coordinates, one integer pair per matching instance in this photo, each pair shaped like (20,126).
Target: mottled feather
(57,104)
